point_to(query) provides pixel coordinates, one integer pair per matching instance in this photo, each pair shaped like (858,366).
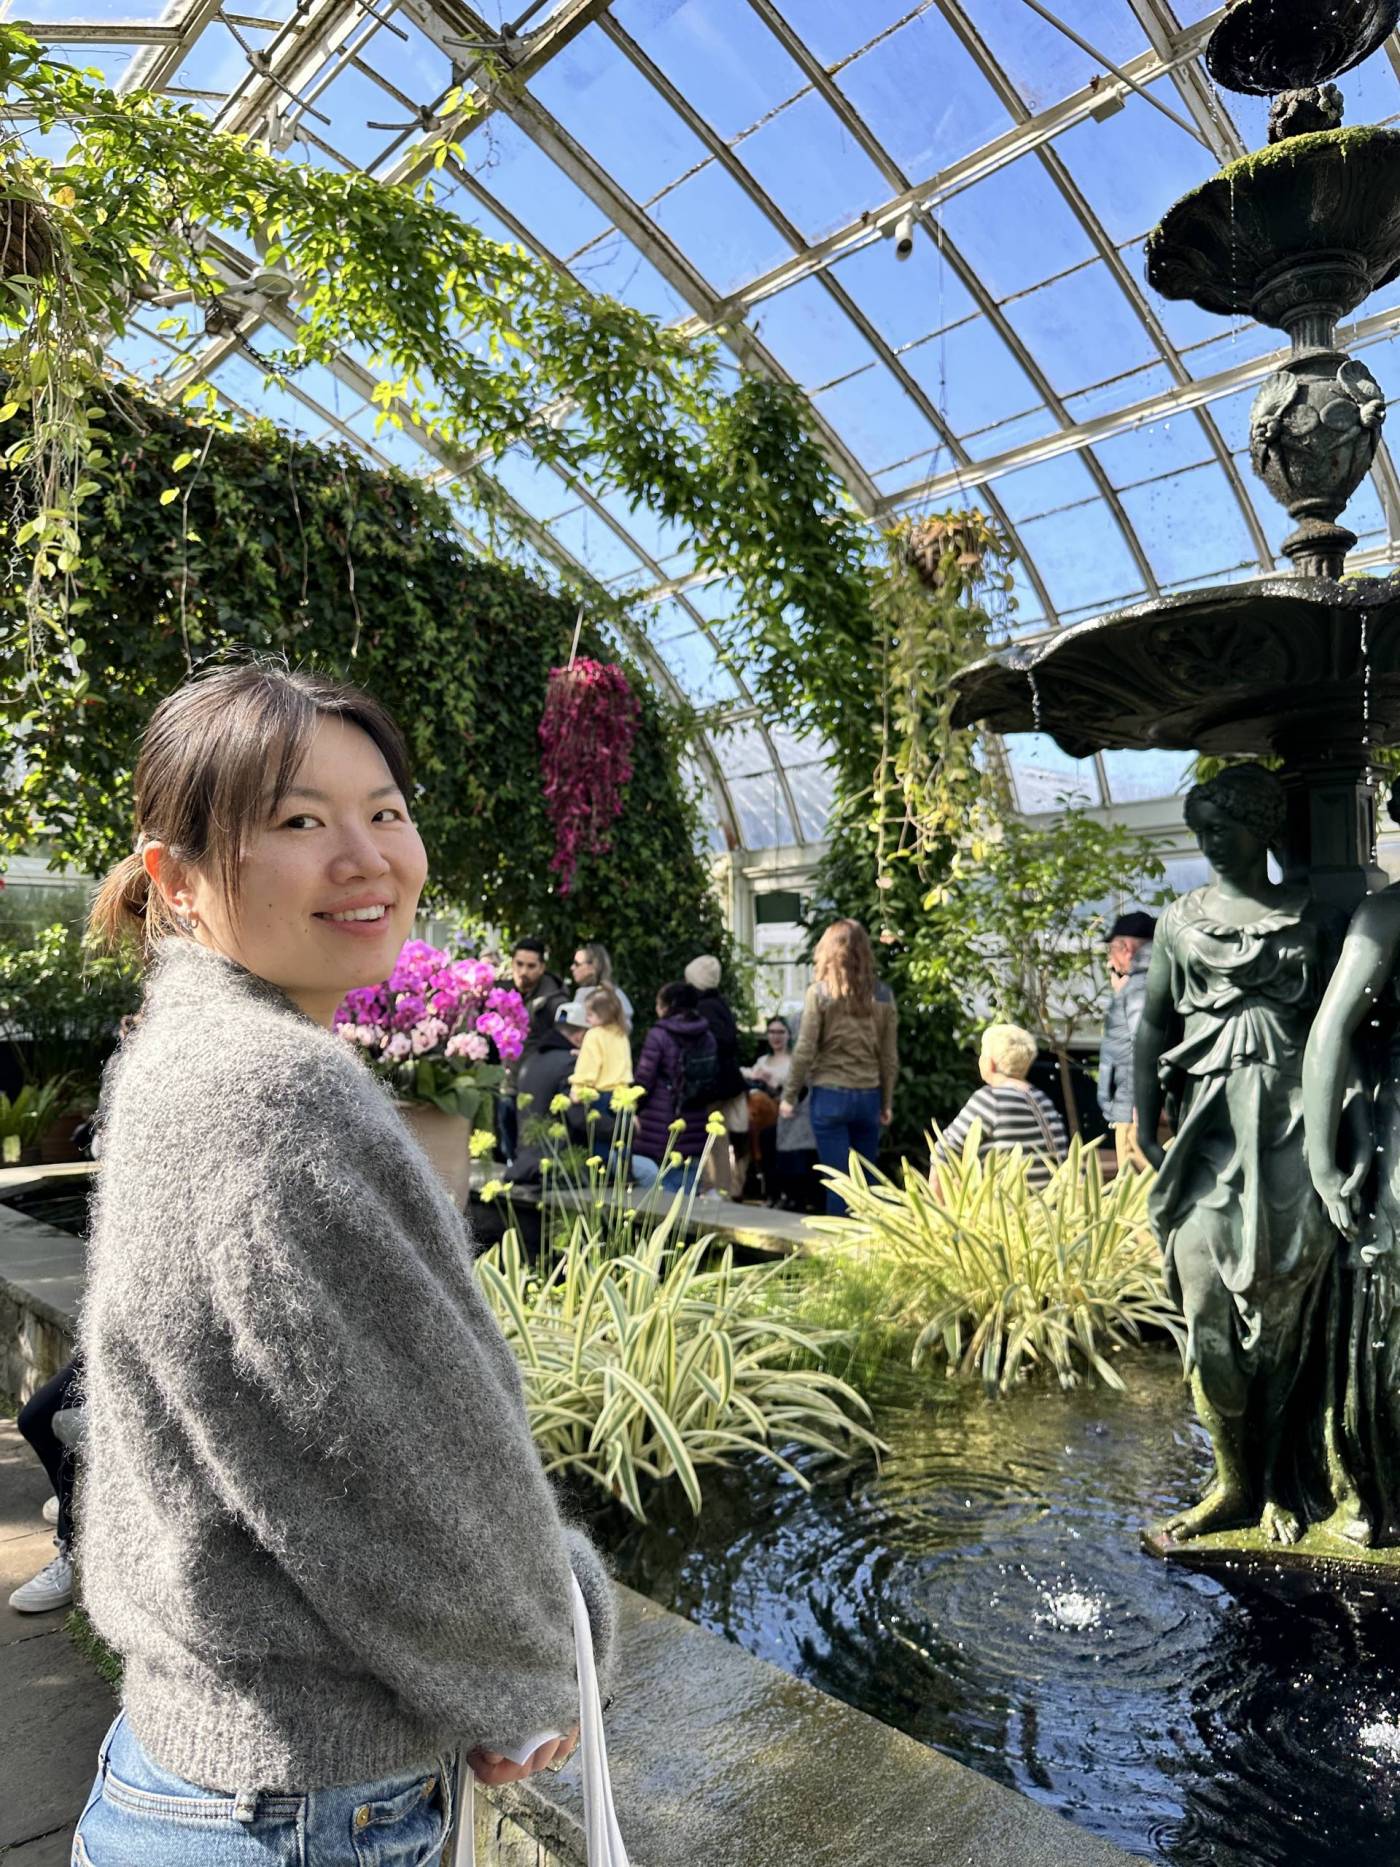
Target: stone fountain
(1276,1210)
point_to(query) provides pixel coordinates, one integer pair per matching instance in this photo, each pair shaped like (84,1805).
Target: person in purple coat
(678,1069)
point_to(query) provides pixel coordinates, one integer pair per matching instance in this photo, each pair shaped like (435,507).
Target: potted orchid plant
(439,1032)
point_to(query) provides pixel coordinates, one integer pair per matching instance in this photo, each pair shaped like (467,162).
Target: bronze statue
(1237,969)
(1351,1101)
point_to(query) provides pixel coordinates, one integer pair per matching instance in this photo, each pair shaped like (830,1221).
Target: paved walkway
(54,1707)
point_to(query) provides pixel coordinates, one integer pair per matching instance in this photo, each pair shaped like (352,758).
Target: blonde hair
(845,965)
(605,1004)
(1010,1050)
(215,758)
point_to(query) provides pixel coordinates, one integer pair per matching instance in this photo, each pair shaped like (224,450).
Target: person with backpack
(678,1068)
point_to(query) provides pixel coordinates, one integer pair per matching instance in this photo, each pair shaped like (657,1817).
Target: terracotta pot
(445,1139)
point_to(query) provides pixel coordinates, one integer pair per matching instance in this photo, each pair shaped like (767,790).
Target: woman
(770,1070)
(766,1081)
(677,1070)
(1013,1113)
(1235,976)
(592,967)
(847,1050)
(316,1528)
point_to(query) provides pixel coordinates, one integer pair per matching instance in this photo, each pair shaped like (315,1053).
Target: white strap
(605,1846)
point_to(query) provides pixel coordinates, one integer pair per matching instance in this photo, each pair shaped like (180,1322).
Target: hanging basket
(27,244)
(586,738)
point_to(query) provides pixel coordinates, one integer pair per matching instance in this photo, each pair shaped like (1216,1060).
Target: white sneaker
(51,1510)
(51,1588)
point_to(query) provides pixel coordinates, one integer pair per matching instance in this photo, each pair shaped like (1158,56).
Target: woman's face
(329,883)
(777,1038)
(583,969)
(1227,846)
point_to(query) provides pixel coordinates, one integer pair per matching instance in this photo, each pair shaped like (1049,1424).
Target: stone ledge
(721,1758)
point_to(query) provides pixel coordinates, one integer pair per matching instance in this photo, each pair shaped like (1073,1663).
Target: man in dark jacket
(543,994)
(678,1070)
(1129,956)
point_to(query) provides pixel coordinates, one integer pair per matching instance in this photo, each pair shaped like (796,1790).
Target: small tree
(1020,929)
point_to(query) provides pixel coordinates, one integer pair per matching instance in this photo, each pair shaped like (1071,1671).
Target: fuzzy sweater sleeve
(302,1319)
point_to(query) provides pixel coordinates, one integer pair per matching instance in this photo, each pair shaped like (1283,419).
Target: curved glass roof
(750,162)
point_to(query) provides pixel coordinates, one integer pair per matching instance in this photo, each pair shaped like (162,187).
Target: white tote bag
(605,1847)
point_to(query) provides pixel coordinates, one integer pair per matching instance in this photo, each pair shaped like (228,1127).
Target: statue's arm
(1367,960)
(1149,1044)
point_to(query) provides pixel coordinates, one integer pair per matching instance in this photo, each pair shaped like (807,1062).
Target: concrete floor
(54,1708)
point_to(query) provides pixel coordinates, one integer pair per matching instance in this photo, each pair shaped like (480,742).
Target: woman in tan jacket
(846,1052)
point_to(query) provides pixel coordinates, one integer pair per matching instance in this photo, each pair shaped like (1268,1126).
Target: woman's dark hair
(215,759)
(677,996)
(1248,795)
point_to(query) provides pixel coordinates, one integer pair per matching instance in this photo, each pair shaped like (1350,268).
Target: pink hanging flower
(586,739)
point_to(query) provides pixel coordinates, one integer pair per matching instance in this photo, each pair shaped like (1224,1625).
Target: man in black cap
(1129,955)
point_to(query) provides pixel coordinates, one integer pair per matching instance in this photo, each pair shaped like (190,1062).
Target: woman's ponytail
(121,906)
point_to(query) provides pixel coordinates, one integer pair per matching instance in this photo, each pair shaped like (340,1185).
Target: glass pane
(1189,525)
(1031,491)
(613,266)
(715,224)
(873,415)
(594,544)
(540,196)
(1081,329)
(921,94)
(728,65)
(904,298)
(1160,447)
(1135,776)
(809,334)
(833,29)
(973,378)
(1015,228)
(811,788)
(1083,557)
(692,664)
(763,818)
(812,168)
(1045,64)
(607,105)
(1134,164)
(1044,775)
(741,750)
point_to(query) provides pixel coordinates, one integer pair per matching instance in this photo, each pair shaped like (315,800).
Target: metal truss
(297,59)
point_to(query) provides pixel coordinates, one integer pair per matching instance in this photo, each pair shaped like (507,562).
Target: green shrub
(998,1277)
(645,1364)
(25,1116)
(62,1004)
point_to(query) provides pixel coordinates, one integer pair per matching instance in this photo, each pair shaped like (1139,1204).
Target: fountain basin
(1241,669)
(1325,205)
(1264,46)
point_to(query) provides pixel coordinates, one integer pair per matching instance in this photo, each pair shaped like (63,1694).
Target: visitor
(678,1070)
(604,1065)
(846,1050)
(1129,956)
(796,1187)
(592,967)
(731,1090)
(316,1484)
(542,993)
(546,1073)
(1013,1113)
(52,1587)
(766,1081)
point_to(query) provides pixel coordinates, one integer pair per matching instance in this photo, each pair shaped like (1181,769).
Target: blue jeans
(845,1122)
(142,1816)
(646,1172)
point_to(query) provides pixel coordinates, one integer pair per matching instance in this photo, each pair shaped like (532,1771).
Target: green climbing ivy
(280,546)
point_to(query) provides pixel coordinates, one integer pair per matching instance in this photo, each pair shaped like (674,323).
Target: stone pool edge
(717,1758)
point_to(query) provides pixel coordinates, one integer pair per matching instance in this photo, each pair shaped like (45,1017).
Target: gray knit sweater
(314,1523)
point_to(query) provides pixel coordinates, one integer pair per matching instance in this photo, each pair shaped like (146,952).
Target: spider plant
(999,1277)
(651,1363)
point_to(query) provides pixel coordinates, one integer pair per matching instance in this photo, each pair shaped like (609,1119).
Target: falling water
(1365,684)
(1035,698)
(1074,1610)
(1382,1739)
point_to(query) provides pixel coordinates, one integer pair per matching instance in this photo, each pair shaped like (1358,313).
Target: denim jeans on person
(139,1815)
(845,1122)
(646,1172)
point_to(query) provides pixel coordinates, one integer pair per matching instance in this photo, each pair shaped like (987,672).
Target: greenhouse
(699,933)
